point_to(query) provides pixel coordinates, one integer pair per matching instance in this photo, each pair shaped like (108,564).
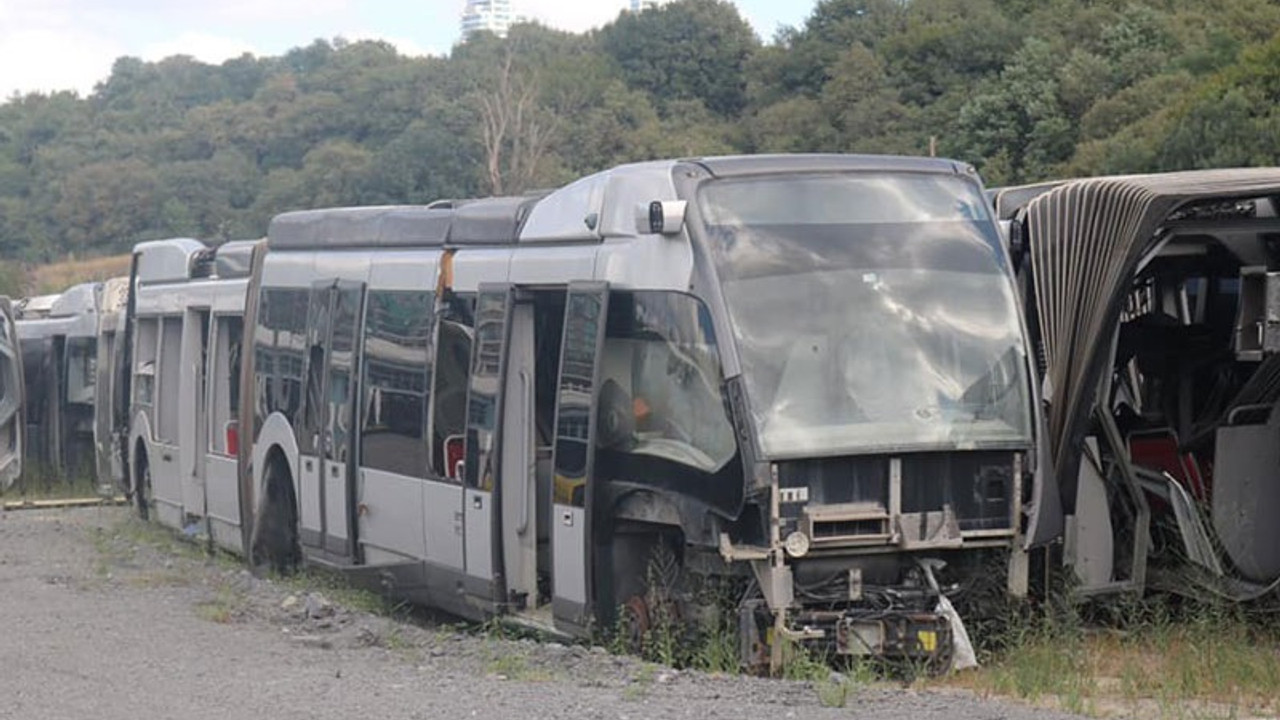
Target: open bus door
(328,434)
(12,418)
(586,309)
(482,498)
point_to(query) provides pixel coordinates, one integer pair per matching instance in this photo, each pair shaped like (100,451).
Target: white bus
(184,328)
(110,404)
(58,337)
(807,374)
(12,397)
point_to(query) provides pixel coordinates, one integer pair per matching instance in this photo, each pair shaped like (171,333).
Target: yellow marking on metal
(928,640)
(63,503)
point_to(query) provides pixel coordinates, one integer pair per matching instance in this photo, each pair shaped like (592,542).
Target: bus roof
(166,260)
(234,259)
(737,165)
(602,205)
(381,226)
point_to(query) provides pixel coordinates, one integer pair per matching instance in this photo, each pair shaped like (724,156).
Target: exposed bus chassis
(911,630)
(874,591)
(1154,303)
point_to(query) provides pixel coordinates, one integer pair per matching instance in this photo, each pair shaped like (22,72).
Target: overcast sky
(50,45)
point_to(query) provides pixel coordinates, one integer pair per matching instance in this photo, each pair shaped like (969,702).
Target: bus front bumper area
(919,637)
(912,622)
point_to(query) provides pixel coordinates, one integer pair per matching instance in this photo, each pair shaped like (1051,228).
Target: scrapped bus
(12,398)
(1154,302)
(58,337)
(110,403)
(185,315)
(804,374)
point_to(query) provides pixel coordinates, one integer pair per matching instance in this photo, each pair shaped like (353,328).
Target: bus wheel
(633,625)
(142,485)
(276,545)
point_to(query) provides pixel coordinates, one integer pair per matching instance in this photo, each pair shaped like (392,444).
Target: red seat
(1158,450)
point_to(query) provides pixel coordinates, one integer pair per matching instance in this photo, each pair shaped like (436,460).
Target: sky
(50,45)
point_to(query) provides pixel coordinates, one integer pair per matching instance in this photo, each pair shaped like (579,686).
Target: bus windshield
(872,313)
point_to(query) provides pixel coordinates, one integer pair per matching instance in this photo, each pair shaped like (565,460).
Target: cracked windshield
(872,314)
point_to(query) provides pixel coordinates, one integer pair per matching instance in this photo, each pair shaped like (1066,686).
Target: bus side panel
(391,528)
(223,502)
(191,411)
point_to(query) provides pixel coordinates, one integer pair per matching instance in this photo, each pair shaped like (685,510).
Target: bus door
(12,420)
(482,467)
(586,309)
(191,419)
(326,440)
(103,437)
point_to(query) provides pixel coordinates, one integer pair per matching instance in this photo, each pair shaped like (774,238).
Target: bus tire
(275,545)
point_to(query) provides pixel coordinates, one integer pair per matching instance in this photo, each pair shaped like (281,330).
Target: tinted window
(166,428)
(279,343)
(452,374)
(482,412)
(396,373)
(577,387)
(226,383)
(661,417)
(342,350)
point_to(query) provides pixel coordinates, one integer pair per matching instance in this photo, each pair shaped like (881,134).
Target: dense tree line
(1025,89)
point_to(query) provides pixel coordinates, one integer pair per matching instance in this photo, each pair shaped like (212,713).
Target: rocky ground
(101,616)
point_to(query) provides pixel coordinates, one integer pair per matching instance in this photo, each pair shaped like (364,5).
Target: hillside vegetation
(1024,89)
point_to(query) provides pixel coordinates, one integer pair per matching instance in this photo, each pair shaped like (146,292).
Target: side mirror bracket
(661,217)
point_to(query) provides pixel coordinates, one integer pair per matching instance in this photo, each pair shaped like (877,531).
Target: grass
(1159,658)
(341,590)
(40,482)
(227,606)
(510,663)
(58,276)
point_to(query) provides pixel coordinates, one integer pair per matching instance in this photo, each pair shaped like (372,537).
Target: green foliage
(689,50)
(13,280)
(1024,90)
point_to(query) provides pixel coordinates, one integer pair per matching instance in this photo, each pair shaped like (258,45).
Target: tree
(686,50)
(516,130)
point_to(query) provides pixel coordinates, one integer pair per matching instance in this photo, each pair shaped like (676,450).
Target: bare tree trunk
(517,131)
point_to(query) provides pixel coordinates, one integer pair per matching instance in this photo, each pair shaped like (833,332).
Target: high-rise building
(492,15)
(638,5)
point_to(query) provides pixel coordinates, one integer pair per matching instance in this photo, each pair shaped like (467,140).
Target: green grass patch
(40,482)
(1162,658)
(510,663)
(226,606)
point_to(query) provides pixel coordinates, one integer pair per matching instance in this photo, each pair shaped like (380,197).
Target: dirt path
(101,617)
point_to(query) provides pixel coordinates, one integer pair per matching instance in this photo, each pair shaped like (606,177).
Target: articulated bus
(185,328)
(805,376)
(110,405)
(58,338)
(12,398)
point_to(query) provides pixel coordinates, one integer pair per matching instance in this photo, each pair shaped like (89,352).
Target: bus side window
(452,377)
(396,375)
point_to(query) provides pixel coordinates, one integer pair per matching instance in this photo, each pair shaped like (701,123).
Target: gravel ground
(102,617)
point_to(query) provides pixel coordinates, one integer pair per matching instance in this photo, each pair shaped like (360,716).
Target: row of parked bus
(840,388)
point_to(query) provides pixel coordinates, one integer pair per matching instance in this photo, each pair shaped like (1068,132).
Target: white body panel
(223,501)
(193,485)
(442,523)
(478,528)
(391,516)
(308,489)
